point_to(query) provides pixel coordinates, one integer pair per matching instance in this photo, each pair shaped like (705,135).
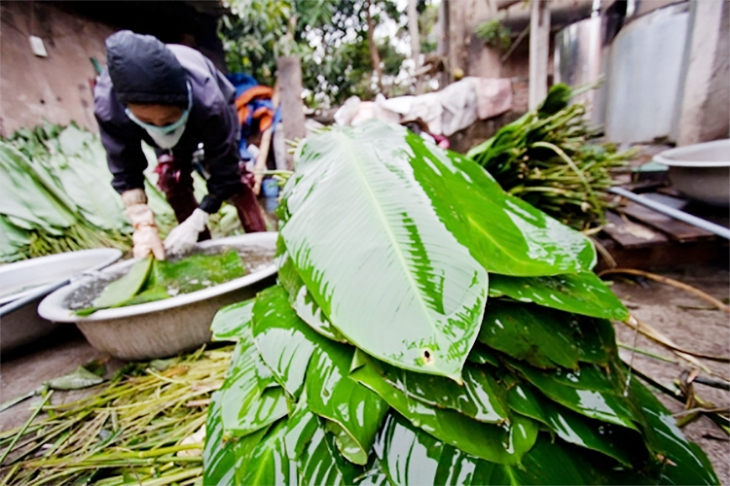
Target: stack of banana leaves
(429,328)
(57,195)
(550,158)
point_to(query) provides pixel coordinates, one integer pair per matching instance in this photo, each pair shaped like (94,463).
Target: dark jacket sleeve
(123,145)
(220,139)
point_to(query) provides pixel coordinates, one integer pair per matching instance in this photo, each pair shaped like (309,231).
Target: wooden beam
(539,51)
(289,75)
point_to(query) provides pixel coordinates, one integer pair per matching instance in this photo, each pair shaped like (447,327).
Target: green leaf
(76,380)
(504,445)
(245,407)
(480,397)
(322,464)
(229,322)
(589,393)
(126,287)
(269,463)
(332,395)
(546,339)
(285,343)
(196,272)
(506,234)
(581,293)
(417,274)
(689,465)
(481,354)
(623,445)
(224,458)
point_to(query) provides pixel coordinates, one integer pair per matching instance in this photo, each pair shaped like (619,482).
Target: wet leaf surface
(230,322)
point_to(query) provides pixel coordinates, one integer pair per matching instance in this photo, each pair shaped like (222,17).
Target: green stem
(25,426)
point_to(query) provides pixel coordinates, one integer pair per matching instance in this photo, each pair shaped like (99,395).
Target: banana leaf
(401,239)
(546,339)
(580,293)
(268,462)
(125,288)
(504,445)
(230,321)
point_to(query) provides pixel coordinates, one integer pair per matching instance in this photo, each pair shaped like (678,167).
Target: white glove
(146,238)
(182,239)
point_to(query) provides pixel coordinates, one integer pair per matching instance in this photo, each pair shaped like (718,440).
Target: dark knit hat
(144,70)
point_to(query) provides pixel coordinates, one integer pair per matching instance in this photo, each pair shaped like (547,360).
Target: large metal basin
(700,171)
(170,326)
(21,279)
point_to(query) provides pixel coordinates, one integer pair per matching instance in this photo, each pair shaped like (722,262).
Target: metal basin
(701,171)
(171,326)
(21,279)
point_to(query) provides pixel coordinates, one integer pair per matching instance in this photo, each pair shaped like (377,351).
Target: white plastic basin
(700,171)
(166,327)
(20,279)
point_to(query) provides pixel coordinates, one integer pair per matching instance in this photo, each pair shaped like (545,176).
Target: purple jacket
(213,121)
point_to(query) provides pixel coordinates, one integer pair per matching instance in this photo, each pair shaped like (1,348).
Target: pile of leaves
(138,428)
(549,157)
(429,328)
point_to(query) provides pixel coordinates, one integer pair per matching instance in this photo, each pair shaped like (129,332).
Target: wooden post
(539,51)
(415,40)
(289,76)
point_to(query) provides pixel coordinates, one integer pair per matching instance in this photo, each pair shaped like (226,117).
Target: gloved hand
(182,239)
(146,238)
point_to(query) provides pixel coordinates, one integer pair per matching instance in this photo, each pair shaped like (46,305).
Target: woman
(172,98)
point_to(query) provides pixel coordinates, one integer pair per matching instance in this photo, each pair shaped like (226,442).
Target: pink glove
(146,238)
(182,238)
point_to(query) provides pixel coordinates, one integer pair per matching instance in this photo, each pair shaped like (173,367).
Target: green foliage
(550,158)
(371,250)
(330,36)
(494,34)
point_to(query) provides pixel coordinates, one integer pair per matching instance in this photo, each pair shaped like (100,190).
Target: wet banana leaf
(352,406)
(125,288)
(616,442)
(410,255)
(196,272)
(685,462)
(245,407)
(268,462)
(504,445)
(321,463)
(506,234)
(480,397)
(481,354)
(223,458)
(285,343)
(605,405)
(546,339)
(230,322)
(580,293)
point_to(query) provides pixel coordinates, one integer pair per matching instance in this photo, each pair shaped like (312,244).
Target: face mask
(168,136)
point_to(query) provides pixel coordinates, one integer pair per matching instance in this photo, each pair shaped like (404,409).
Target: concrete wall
(56,88)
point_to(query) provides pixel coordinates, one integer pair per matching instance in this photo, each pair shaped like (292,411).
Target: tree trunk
(374,54)
(415,40)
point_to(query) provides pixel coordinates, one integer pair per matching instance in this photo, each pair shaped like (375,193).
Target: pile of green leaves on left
(57,195)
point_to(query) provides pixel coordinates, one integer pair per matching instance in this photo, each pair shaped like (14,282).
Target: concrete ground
(687,320)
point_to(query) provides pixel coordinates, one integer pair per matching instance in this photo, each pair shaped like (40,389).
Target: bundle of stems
(131,431)
(550,158)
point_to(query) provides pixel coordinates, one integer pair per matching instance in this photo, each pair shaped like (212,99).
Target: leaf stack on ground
(551,158)
(428,328)
(132,431)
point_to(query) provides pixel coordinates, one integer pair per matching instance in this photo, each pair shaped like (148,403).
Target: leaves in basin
(544,338)
(126,287)
(417,274)
(505,234)
(581,293)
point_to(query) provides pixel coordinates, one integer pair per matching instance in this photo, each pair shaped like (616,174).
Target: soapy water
(254,259)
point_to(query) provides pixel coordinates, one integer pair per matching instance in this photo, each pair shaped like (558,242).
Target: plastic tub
(171,326)
(20,279)
(701,171)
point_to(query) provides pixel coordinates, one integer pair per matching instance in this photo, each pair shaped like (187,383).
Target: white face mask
(168,136)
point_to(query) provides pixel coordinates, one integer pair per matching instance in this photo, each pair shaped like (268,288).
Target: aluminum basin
(701,171)
(20,279)
(171,326)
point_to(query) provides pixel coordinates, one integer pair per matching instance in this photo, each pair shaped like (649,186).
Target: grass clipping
(140,428)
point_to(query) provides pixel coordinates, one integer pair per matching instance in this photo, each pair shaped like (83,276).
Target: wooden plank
(675,229)
(629,234)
